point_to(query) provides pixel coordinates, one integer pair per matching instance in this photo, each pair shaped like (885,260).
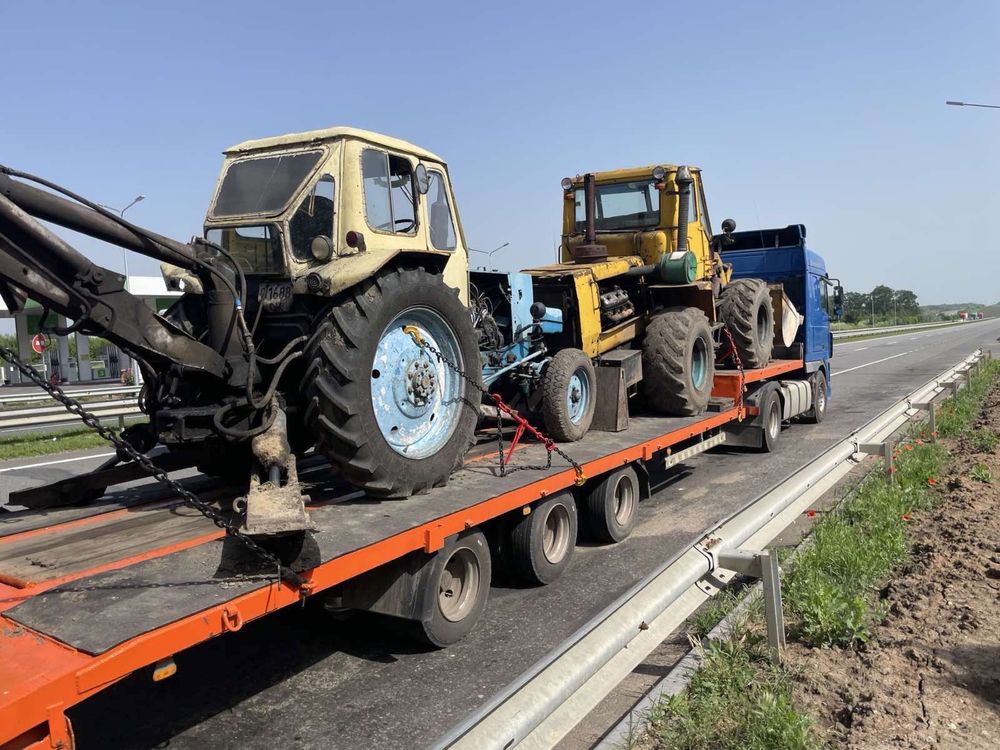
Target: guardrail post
(774,613)
(889,450)
(762,564)
(955,384)
(932,420)
(121,421)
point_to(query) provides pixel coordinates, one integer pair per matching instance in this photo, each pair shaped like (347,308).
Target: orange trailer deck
(88,597)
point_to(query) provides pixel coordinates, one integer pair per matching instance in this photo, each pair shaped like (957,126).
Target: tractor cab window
(313,218)
(256,249)
(263,185)
(442,227)
(621,206)
(389,192)
(703,208)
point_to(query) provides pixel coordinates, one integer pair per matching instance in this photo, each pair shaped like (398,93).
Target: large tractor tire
(678,362)
(392,417)
(745,307)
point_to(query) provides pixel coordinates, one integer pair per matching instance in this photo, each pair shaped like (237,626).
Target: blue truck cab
(781,256)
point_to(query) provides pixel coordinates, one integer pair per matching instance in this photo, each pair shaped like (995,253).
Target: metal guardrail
(539,708)
(29,398)
(854,332)
(56,415)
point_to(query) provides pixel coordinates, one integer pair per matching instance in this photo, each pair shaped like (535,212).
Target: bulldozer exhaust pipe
(683,181)
(589,251)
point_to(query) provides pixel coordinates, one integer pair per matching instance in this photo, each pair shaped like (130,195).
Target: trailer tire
(543,541)
(745,307)
(569,392)
(395,451)
(818,411)
(458,587)
(678,362)
(770,421)
(612,505)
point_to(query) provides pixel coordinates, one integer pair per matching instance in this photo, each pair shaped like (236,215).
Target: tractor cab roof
(326,135)
(629,173)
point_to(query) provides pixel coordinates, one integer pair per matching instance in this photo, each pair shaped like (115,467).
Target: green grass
(982,473)
(737,700)
(45,443)
(711,612)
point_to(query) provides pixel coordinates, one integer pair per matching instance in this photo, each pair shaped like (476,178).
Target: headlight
(659,173)
(567,183)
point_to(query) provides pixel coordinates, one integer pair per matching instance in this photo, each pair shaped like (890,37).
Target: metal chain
(739,364)
(76,408)
(550,446)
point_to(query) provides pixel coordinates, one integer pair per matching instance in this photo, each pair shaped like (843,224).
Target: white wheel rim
(458,587)
(624,499)
(555,533)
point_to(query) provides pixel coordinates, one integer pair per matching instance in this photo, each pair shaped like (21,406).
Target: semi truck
(92,594)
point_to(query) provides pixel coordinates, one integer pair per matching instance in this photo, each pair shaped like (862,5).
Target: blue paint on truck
(781,256)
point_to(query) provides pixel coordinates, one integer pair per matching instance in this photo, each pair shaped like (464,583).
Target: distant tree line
(882,305)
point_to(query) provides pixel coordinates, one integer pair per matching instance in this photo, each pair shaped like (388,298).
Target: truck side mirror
(423,180)
(728,226)
(838,296)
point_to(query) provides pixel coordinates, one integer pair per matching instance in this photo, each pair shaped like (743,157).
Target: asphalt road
(302,678)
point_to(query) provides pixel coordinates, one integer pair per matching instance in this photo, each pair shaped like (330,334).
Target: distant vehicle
(963,315)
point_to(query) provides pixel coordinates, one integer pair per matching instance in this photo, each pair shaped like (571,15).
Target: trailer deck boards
(86,601)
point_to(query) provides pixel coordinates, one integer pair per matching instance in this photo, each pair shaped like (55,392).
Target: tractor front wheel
(383,390)
(569,392)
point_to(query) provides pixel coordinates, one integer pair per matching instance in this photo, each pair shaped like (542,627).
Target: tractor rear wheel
(745,307)
(390,415)
(678,362)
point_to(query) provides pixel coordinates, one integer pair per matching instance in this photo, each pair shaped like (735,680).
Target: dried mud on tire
(931,677)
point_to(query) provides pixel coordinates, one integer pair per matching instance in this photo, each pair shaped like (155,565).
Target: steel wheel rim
(458,588)
(762,325)
(821,398)
(555,533)
(699,362)
(624,498)
(773,421)
(577,395)
(416,397)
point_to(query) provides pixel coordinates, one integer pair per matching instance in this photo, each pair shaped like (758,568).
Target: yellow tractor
(641,279)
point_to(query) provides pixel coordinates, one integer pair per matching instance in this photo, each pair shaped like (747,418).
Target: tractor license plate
(275,296)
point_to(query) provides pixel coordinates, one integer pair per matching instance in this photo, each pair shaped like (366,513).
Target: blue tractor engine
(512,329)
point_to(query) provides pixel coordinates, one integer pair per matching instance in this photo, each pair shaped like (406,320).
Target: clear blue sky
(828,114)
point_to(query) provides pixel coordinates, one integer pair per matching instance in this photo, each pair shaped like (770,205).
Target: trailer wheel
(770,421)
(543,541)
(612,505)
(390,415)
(818,412)
(458,587)
(678,362)
(745,307)
(569,392)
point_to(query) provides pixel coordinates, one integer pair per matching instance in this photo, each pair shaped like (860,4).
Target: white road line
(53,463)
(861,349)
(869,364)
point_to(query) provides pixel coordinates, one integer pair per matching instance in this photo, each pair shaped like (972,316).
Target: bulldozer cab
(637,214)
(326,209)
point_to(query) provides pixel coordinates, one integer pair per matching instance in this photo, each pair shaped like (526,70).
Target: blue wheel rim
(416,397)
(699,363)
(578,395)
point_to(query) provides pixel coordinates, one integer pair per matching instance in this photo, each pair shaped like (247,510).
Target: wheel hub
(421,382)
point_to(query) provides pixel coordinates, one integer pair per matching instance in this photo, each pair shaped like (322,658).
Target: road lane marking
(869,364)
(861,349)
(53,463)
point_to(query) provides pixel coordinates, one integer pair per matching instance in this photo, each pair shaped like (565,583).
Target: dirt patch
(932,674)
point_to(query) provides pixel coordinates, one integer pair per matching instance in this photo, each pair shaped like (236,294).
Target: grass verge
(737,698)
(26,445)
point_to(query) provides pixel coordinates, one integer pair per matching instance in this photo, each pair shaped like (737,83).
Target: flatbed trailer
(87,597)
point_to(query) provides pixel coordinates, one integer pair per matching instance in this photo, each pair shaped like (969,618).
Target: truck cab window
(313,218)
(442,228)
(389,192)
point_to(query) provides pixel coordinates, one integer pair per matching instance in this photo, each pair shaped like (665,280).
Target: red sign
(39,342)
